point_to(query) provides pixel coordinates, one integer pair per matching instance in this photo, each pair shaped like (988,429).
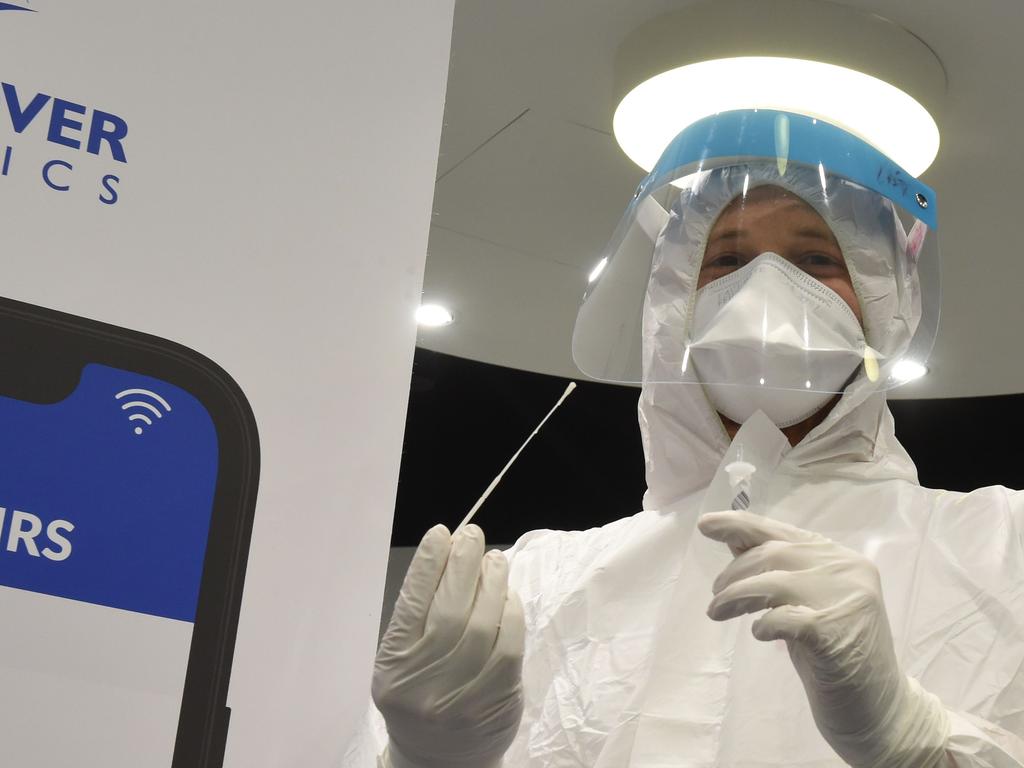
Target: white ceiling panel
(543,187)
(509,309)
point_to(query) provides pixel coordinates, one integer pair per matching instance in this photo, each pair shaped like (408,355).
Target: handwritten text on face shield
(23,532)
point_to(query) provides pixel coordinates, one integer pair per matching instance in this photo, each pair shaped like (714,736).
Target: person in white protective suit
(825,610)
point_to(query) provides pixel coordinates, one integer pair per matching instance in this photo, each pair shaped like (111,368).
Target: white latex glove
(826,603)
(448,673)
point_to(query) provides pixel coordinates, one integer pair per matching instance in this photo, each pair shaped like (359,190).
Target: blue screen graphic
(106,496)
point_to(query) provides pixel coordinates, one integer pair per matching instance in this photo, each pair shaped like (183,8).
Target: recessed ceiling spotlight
(908,370)
(433,316)
(855,70)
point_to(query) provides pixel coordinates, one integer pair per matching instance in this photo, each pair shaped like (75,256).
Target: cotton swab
(495,481)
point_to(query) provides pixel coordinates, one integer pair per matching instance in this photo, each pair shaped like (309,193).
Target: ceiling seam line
(486,141)
(511,249)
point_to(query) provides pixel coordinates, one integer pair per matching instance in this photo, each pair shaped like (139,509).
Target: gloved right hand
(448,675)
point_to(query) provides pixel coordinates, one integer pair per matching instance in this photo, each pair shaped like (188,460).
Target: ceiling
(531,182)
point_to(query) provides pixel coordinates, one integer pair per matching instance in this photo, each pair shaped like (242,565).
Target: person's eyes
(817,262)
(725,261)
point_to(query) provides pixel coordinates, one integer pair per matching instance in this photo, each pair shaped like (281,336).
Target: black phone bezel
(42,353)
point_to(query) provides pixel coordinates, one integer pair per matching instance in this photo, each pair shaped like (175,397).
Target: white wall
(273,215)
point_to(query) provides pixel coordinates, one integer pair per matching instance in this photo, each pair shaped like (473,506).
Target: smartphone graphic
(128,475)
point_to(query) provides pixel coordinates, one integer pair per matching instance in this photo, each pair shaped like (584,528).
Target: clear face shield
(771,258)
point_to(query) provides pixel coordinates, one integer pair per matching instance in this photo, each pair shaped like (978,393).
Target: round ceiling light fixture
(858,71)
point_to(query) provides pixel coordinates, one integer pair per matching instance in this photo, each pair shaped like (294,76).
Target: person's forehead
(765,203)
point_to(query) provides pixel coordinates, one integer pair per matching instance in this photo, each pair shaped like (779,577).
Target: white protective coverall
(623,667)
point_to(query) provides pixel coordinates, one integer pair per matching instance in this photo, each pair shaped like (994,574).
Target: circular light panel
(654,112)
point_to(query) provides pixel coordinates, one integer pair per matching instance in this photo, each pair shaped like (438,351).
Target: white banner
(252,181)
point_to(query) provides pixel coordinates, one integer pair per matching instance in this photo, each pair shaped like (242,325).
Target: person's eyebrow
(728,234)
(815,232)
(737,233)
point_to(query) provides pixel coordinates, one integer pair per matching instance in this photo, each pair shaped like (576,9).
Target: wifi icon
(142,408)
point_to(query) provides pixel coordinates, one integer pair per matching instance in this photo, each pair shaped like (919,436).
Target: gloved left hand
(826,603)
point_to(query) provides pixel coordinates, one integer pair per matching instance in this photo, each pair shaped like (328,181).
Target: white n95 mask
(770,337)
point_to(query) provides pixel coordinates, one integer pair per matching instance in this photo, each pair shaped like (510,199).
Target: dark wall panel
(585,468)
